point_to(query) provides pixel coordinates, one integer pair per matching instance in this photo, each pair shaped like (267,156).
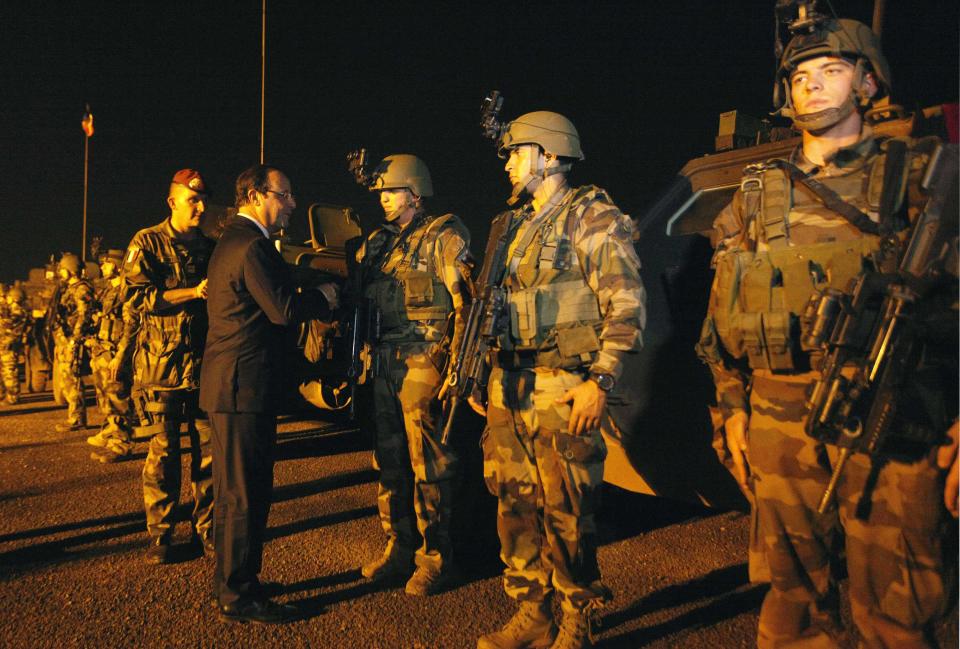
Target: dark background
(178,84)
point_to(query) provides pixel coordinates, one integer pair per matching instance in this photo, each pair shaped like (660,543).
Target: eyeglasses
(284,196)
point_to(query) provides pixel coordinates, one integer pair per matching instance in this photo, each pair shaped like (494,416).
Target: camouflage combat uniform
(417,278)
(14,321)
(166,362)
(113,397)
(576,305)
(777,244)
(74,316)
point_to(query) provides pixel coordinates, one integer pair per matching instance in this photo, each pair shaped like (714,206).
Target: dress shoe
(263,590)
(159,551)
(261,611)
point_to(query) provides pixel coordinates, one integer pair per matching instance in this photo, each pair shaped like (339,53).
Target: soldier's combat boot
(13,399)
(100,439)
(531,627)
(574,631)
(395,564)
(68,427)
(426,581)
(159,550)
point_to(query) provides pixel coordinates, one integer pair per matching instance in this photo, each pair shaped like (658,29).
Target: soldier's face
(186,207)
(821,83)
(398,205)
(521,161)
(107,269)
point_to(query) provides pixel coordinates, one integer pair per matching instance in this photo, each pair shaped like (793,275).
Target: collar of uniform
(256,223)
(555,198)
(845,159)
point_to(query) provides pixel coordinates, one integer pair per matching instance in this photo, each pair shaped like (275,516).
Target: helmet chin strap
(821,120)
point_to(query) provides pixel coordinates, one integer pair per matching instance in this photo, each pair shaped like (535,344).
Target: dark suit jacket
(251,298)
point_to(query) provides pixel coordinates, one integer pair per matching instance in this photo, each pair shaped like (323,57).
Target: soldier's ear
(171,202)
(869,86)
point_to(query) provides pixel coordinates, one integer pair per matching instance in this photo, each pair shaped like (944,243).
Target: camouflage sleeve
(143,273)
(730,377)
(86,304)
(454,263)
(604,243)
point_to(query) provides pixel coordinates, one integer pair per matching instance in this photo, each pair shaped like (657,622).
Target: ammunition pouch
(760,296)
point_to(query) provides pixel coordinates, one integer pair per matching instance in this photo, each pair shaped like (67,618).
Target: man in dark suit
(250,299)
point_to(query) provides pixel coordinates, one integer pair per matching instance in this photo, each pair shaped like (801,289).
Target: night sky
(178,84)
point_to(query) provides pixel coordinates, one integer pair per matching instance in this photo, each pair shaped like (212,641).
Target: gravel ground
(72,572)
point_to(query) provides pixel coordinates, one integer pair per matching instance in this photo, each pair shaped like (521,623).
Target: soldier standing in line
(164,277)
(113,395)
(14,322)
(576,306)
(72,317)
(810,223)
(416,273)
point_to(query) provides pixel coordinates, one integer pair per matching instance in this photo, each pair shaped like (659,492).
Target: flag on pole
(87,123)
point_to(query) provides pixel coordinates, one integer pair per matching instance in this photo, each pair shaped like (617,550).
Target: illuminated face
(108,268)
(398,205)
(64,274)
(186,207)
(521,162)
(821,83)
(278,201)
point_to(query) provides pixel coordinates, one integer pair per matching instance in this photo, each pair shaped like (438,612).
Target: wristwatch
(604,381)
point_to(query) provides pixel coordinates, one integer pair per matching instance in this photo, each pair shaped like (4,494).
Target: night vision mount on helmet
(813,35)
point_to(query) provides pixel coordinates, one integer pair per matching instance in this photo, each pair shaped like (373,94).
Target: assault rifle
(469,370)
(874,341)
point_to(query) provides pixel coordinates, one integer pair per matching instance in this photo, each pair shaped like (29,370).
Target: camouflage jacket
(855,173)
(14,322)
(109,318)
(582,242)
(74,313)
(434,248)
(169,338)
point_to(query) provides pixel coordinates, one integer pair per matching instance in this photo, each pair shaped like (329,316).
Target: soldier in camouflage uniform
(14,322)
(72,321)
(576,306)
(777,243)
(416,274)
(113,395)
(164,276)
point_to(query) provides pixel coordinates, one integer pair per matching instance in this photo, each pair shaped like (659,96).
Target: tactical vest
(409,294)
(70,300)
(760,293)
(555,318)
(111,314)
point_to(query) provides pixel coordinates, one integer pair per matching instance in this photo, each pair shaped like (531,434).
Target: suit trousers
(243,455)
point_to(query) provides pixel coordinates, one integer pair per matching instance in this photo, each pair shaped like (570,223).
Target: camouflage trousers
(415,490)
(10,371)
(71,383)
(167,411)
(548,485)
(894,555)
(113,401)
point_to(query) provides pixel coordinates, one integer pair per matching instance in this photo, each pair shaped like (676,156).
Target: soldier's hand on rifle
(947,459)
(588,403)
(735,428)
(201,289)
(477,406)
(444,387)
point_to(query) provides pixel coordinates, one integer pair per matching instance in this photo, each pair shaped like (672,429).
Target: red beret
(191,179)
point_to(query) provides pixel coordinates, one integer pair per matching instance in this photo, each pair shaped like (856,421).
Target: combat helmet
(16,294)
(402,171)
(551,131)
(70,262)
(842,38)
